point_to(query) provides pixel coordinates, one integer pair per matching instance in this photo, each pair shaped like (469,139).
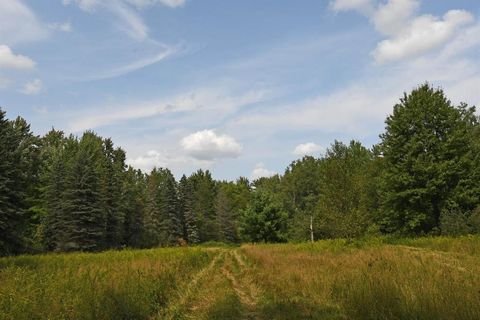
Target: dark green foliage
(18,151)
(60,193)
(264,219)
(189,219)
(342,209)
(133,206)
(430,161)
(203,207)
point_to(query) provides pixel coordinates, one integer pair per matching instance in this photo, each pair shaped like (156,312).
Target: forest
(63,193)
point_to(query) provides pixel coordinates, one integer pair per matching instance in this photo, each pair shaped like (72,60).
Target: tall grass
(370,279)
(111,285)
(374,278)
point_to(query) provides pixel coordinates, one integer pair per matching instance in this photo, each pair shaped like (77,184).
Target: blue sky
(238,87)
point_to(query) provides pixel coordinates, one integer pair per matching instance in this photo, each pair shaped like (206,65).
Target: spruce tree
(186,198)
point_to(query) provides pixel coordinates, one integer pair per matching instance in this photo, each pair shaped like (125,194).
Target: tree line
(65,193)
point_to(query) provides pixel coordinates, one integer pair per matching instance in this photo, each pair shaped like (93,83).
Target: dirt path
(174,310)
(223,290)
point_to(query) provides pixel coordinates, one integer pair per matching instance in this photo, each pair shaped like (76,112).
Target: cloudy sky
(238,87)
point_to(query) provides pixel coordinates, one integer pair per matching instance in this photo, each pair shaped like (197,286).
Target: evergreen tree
(84,221)
(225,216)
(133,207)
(186,199)
(204,205)
(112,169)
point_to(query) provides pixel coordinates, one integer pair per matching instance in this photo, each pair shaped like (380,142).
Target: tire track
(173,311)
(243,287)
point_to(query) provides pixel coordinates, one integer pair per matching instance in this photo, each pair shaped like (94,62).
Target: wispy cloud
(32,87)
(212,102)
(130,67)
(125,13)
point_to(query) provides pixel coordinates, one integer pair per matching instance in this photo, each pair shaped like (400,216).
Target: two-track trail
(222,290)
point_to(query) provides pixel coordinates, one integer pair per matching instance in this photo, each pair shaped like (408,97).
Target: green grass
(376,278)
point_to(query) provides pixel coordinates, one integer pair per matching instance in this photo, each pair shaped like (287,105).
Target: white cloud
(32,87)
(201,103)
(18,24)
(392,17)
(260,172)
(168,3)
(131,67)
(148,161)
(207,145)
(127,18)
(423,34)
(308,148)
(364,6)
(9,60)
(407,35)
(61,26)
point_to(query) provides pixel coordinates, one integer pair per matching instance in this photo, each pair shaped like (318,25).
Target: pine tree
(186,198)
(225,216)
(84,222)
(204,205)
(18,174)
(133,207)
(112,168)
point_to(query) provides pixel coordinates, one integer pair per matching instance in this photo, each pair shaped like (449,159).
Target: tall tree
(84,219)
(428,153)
(264,220)
(204,205)
(18,174)
(189,218)
(342,209)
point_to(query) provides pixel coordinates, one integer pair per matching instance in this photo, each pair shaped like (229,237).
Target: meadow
(376,278)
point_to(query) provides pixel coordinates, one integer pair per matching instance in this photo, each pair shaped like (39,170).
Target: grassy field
(380,278)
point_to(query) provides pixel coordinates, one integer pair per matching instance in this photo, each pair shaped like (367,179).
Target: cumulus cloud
(148,161)
(308,148)
(423,34)
(261,172)
(208,145)
(407,35)
(32,87)
(392,17)
(9,60)
(18,24)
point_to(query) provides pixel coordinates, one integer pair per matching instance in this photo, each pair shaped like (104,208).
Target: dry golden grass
(377,282)
(380,278)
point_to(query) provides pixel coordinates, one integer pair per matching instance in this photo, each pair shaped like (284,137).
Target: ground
(378,278)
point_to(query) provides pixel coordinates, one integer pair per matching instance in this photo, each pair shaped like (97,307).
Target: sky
(240,87)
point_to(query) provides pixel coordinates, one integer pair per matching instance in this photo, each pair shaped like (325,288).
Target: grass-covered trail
(427,278)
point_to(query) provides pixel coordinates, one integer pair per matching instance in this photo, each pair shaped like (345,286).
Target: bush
(454,222)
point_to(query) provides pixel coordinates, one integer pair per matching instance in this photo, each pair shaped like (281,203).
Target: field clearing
(380,278)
